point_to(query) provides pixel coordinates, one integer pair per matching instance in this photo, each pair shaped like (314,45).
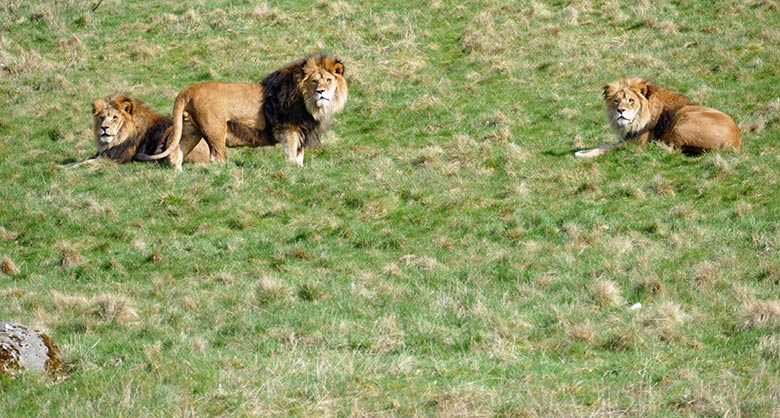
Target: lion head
(323,86)
(112,119)
(627,106)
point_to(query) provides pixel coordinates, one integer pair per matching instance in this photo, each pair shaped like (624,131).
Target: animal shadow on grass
(559,152)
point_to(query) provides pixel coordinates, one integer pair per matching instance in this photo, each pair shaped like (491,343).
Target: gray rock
(23,348)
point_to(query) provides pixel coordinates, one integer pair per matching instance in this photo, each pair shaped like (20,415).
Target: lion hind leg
(176,158)
(292,145)
(215,134)
(200,154)
(697,128)
(193,147)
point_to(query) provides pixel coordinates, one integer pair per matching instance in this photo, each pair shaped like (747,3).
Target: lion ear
(98,105)
(609,90)
(650,89)
(640,85)
(338,68)
(125,104)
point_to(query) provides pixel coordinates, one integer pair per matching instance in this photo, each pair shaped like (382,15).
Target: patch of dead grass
(662,186)
(266,13)
(762,314)
(606,293)
(707,273)
(270,290)
(7,266)
(106,308)
(388,334)
(769,346)
(429,155)
(649,286)
(70,256)
(8,235)
(582,331)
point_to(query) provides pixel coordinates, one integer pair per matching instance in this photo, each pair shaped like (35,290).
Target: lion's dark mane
(153,141)
(284,106)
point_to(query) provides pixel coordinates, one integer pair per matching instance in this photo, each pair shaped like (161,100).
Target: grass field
(443,254)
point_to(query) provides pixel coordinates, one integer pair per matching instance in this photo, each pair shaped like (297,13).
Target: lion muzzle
(105,138)
(623,117)
(322,100)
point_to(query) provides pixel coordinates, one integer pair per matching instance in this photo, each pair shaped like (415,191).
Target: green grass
(444,254)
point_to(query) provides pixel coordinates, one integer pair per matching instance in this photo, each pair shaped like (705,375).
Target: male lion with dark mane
(641,111)
(292,106)
(124,127)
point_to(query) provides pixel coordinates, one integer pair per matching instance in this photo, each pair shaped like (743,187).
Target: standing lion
(292,106)
(641,111)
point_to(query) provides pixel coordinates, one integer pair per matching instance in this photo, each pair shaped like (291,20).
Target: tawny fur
(293,106)
(657,114)
(133,128)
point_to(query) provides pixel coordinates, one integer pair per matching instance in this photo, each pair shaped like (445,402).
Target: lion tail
(175,138)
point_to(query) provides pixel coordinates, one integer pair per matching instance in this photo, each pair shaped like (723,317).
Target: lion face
(110,122)
(627,105)
(323,86)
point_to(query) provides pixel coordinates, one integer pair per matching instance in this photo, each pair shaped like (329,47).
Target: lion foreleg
(595,152)
(91,160)
(292,145)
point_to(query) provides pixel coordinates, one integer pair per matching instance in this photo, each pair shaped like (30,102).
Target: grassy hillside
(443,254)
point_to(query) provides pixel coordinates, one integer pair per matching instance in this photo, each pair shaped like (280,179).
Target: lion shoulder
(666,100)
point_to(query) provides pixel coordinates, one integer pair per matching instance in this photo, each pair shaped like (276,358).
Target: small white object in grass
(635,307)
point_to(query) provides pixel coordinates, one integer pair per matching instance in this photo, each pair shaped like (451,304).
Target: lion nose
(320,91)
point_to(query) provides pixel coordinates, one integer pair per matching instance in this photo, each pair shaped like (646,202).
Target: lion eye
(630,101)
(617,102)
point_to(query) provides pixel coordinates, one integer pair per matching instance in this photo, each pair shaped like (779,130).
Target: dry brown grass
(769,345)
(762,314)
(70,256)
(707,274)
(105,308)
(388,334)
(7,266)
(606,293)
(270,290)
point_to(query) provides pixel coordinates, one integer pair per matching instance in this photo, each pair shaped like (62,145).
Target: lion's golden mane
(641,111)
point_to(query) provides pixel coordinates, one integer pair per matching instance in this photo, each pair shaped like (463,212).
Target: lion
(124,127)
(640,111)
(292,106)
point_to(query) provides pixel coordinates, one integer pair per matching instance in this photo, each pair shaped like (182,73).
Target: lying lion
(292,106)
(641,111)
(124,127)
